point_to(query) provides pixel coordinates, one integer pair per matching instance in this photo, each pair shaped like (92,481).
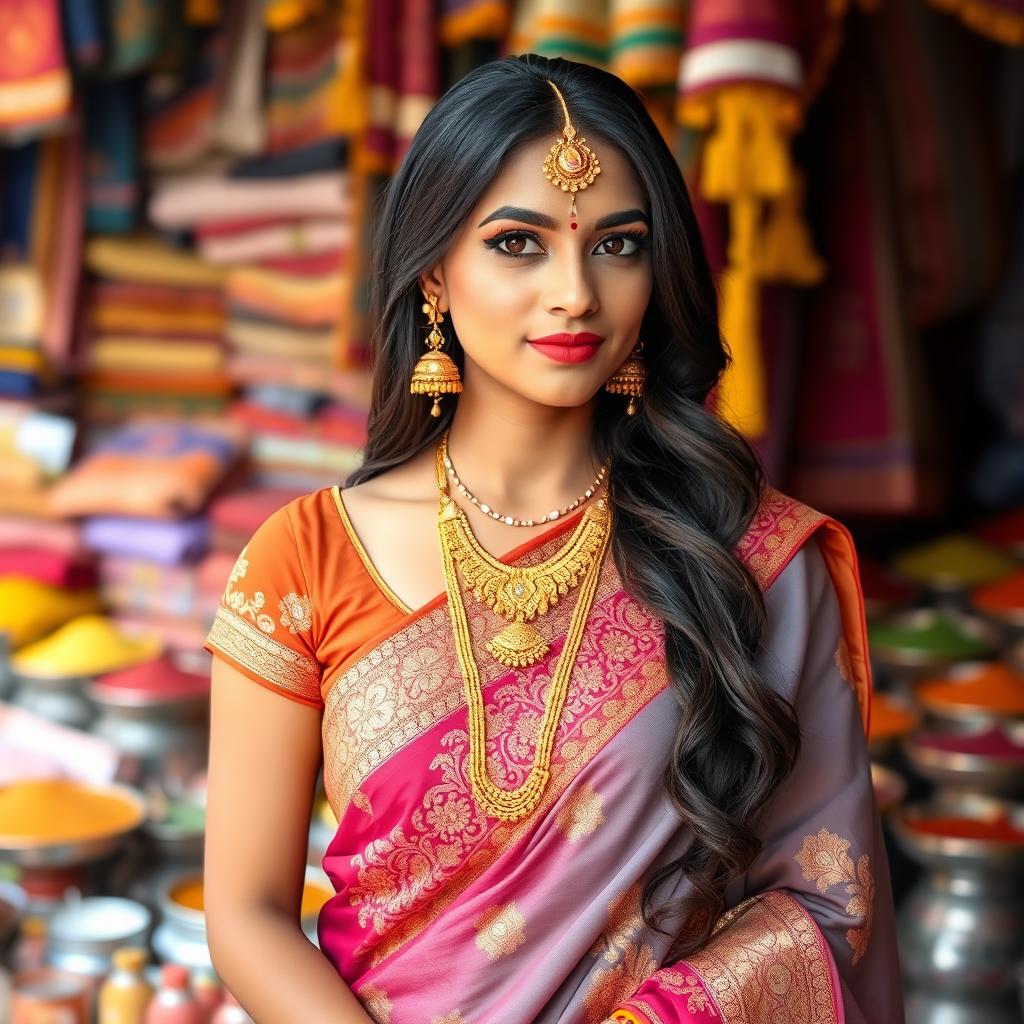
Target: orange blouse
(303,600)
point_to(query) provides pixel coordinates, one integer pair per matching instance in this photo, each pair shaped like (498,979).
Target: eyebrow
(542,220)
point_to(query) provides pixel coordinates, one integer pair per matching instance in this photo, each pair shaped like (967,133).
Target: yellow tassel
(1002,26)
(741,394)
(785,251)
(203,12)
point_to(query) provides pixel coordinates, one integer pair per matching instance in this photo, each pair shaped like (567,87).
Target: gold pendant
(518,645)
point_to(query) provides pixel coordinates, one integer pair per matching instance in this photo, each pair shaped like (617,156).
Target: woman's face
(518,272)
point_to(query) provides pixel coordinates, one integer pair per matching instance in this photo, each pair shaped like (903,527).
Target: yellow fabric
(1002,26)
(88,645)
(280,15)
(114,353)
(150,261)
(30,609)
(746,164)
(203,12)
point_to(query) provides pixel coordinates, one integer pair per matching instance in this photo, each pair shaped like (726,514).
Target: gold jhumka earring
(629,378)
(436,373)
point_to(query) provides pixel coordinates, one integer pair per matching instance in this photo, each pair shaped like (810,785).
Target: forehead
(521,182)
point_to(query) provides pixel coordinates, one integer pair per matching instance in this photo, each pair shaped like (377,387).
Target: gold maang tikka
(570,165)
(435,373)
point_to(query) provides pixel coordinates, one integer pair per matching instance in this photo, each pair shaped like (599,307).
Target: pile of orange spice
(995,688)
(889,718)
(61,810)
(1006,595)
(189,893)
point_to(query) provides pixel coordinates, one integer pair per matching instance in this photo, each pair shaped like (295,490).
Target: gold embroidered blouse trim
(518,593)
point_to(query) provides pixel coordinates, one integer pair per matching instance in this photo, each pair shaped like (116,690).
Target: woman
(590,695)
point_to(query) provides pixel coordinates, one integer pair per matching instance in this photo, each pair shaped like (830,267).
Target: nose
(570,291)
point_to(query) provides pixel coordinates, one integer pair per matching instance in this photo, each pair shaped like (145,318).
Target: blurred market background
(186,193)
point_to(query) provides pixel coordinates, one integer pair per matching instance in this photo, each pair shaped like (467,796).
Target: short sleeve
(264,623)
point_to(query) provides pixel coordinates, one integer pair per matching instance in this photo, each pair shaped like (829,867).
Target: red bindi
(573,225)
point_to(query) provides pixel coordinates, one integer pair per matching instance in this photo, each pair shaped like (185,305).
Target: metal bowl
(35,853)
(988,637)
(956,853)
(959,717)
(979,773)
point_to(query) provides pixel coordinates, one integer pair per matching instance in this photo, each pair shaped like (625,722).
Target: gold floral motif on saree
(375,1002)
(825,860)
(611,985)
(406,879)
(455,1017)
(679,984)
(766,962)
(620,945)
(362,801)
(581,814)
(500,930)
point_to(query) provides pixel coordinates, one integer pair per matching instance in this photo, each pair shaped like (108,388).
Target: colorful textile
(159,469)
(35,87)
(298,237)
(465,20)
(168,541)
(1001,20)
(402,63)
(641,41)
(41,233)
(112,190)
(861,425)
(189,199)
(57,568)
(749,70)
(83,30)
(149,261)
(303,301)
(135,30)
(417,865)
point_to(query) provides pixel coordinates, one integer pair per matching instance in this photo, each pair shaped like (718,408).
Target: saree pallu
(539,920)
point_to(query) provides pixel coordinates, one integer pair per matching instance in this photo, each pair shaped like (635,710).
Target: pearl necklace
(510,520)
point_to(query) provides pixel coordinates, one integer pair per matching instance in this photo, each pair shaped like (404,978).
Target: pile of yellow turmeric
(61,810)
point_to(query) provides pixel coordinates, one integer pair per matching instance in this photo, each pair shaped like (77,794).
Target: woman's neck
(522,458)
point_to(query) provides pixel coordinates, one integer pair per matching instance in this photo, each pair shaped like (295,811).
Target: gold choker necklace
(511,520)
(519,593)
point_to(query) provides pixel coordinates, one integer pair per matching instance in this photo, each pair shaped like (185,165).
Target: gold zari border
(767,962)
(268,658)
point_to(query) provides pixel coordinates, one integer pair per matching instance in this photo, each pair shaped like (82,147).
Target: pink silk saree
(445,916)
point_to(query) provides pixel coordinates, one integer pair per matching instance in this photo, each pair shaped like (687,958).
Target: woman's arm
(264,757)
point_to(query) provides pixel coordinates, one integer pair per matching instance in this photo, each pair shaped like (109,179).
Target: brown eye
(515,243)
(615,246)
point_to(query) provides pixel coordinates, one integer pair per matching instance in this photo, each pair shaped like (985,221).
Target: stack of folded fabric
(292,446)
(142,498)
(154,331)
(35,448)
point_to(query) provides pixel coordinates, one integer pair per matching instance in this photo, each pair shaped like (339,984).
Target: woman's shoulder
(779,528)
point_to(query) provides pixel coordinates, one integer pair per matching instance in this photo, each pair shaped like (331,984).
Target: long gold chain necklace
(513,804)
(519,593)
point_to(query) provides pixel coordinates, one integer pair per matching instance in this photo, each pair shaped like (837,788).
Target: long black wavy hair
(684,484)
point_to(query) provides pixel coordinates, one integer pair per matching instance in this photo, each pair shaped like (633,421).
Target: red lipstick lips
(568,348)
